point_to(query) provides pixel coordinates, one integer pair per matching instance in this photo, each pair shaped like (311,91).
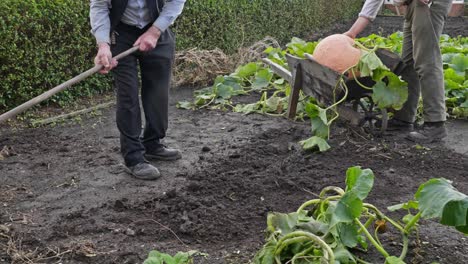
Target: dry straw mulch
(199,68)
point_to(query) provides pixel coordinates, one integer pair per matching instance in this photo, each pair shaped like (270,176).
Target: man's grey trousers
(421,33)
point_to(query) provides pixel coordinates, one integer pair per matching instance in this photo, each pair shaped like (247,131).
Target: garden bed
(65,194)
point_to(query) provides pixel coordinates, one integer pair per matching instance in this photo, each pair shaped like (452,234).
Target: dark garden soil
(64,192)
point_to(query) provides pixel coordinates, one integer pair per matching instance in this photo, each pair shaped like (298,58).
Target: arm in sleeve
(100,21)
(371,9)
(171,10)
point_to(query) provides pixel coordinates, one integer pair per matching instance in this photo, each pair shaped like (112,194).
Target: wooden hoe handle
(36,100)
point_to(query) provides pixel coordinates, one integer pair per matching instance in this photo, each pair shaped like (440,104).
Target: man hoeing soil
(117,26)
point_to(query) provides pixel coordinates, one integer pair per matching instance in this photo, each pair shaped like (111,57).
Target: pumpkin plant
(156,257)
(353,60)
(389,91)
(455,60)
(330,228)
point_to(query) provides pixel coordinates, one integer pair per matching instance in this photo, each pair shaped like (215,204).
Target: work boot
(431,132)
(396,125)
(144,171)
(163,153)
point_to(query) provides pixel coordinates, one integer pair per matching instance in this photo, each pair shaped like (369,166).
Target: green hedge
(227,24)
(44,43)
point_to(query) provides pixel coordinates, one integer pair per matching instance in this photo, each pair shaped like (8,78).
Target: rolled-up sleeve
(100,21)
(171,10)
(371,9)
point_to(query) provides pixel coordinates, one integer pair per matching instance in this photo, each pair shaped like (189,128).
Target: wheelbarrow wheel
(374,119)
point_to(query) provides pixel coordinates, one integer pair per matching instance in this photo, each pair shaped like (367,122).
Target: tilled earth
(65,196)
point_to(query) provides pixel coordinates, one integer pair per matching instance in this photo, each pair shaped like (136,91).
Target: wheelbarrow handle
(38,99)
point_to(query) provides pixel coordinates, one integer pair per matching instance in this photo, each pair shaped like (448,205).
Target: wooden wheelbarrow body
(320,82)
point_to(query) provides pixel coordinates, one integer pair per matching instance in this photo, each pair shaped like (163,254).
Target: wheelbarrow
(320,82)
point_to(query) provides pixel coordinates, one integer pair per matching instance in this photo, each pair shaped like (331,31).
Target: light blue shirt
(371,8)
(136,14)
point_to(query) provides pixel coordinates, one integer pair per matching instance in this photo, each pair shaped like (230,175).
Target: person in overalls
(119,25)
(424,21)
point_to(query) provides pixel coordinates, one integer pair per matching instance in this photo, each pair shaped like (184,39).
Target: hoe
(38,99)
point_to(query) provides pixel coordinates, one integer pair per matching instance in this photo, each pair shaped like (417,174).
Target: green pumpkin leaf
(260,83)
(393,95)
(185,105)
(272,104)
(455,214)
(234,82)
(282,223)
(200,101)
(247,108)
(313,226)
(348,234)
(168,259)
(342,255)
(451,85)
(299,47)
(318,119)
(447,57)
(359,181)
(452,75)
(154,257)
(315,142)
(460,111)
(314,110)
(224,91)
(262,79)
(347,208)
(185,257)
(370,62)
(267,254)
(439,199)
(280,81)
(460,64)
(247,70)
(319,128)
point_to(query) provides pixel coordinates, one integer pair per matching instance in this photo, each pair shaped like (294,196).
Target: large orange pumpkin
(337,52)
